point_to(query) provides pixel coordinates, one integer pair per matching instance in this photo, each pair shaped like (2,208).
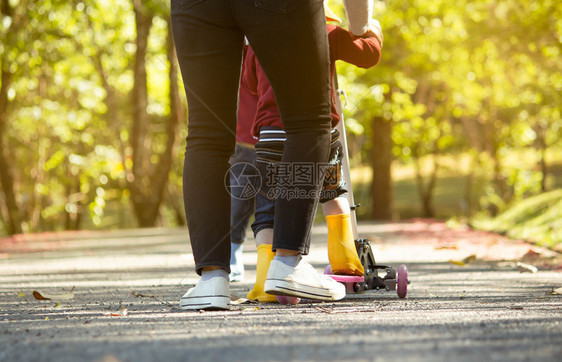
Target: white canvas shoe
(301,281)
(212,294)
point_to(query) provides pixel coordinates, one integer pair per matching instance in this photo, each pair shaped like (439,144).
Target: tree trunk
(381,163)
(544,170)
(468,207)
(542,150)
(140,182)
(149,183)
(13,220)
(426,192)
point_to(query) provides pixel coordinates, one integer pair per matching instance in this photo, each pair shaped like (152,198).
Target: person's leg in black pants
(292,50)
(291,44)
(209,49)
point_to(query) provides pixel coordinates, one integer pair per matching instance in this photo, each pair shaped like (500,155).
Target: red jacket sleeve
(361,52)
(249,73)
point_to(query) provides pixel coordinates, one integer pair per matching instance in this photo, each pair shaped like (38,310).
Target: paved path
(127,285)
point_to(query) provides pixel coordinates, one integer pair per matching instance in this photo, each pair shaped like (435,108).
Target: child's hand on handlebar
(374,30)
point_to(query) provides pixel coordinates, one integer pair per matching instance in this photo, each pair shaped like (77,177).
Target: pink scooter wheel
(283,299)
(402,281)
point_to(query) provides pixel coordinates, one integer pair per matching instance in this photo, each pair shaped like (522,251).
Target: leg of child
(264,239)
(241,206)
(341,246)
(335,206)
(263,232)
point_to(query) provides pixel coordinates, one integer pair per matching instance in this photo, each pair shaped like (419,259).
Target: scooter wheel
(283,299)
(328,269)
(402,281)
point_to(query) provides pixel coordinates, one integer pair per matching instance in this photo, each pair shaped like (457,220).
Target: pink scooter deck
(347,280)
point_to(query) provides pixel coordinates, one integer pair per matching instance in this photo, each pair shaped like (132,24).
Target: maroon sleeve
(249,74)
(362,52)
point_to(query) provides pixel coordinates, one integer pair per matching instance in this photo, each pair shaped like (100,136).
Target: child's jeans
(290,40)
(268,151)
(241,203)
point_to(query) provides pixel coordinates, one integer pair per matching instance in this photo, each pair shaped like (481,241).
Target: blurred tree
(89,108)
(150,174)
(458,76)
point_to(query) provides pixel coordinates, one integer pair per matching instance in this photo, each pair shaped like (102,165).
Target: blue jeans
(290,40)
(241,205)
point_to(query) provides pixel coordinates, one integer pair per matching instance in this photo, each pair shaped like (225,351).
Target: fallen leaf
(336,311)
(526,268)
(122,313)
(448,247)
(57,305)
(47,318)
(457,262)
(469,259)
(44,296)
(530,255)
(236,300)
(555,291)
(139,295)
(21,295)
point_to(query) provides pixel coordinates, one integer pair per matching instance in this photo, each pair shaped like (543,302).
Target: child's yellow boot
(341,246)
(265,256)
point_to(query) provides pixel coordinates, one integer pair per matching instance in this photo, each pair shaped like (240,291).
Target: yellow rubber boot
(265,256)
(341,247)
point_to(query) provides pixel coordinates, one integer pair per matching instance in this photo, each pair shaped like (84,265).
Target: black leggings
(290,40)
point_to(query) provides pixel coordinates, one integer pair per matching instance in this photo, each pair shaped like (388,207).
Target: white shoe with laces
(212,294)
(301,281)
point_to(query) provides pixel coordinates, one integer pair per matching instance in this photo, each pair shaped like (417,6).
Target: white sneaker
(212,294)
(301,281)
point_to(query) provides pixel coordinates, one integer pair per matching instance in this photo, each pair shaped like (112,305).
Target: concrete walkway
(127,284)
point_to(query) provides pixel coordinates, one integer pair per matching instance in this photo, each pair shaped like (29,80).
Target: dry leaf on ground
(446,247)
(457,262)
(530,255)
(236,300)
(557,291)
(526,268)
(122,313)
(45,296)
(469,259)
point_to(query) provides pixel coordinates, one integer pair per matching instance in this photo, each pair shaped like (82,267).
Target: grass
(537,219)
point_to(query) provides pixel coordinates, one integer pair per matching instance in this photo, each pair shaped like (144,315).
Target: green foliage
(69,110)
(466,77)
(538,219)
(481,76)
